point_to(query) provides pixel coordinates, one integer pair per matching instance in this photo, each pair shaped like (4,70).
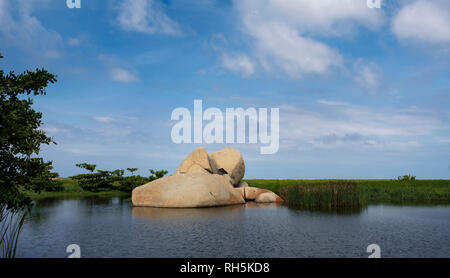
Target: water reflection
(111,227)
(340,211)
(195,213)
(262,205)
(183,213)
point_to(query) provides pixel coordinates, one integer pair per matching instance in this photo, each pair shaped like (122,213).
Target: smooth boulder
(195,162)
(191,190)
(242,184)
(228,161)
(268,197)
(251,193)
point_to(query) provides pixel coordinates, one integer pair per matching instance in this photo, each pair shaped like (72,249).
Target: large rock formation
(187,190)
(203,180)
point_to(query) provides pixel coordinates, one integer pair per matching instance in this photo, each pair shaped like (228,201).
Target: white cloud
(286,32)
(104,120)
(111,120)
(326,17)
(122,75)
(332,103)
(146,16)
(53,129)
(368,75)
(425,21)
(20,28)
(294,54)
(74,41)
(240,63)
(349,126)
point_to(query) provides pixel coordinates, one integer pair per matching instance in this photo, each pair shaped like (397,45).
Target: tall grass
(378,191)
(11,223)
(327,194)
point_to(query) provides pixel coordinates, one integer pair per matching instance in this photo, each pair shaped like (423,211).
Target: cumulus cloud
(286,33)
(325,17)
(283,47)
(240,63)
(20,28)
(146,16)
(122,75)
(425,21)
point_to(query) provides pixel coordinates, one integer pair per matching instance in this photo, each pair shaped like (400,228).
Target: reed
(327,194)
(11,223)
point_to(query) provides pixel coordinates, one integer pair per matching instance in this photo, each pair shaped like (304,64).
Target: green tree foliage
(132,170)
(20,143)
(406,178)
(89,167)
(20,136)
(95,182)
(48,181)
(157,174)
(107,180)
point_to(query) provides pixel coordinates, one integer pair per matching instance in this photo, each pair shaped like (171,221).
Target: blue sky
(363,93)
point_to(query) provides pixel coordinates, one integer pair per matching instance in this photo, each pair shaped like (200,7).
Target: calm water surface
(113,228)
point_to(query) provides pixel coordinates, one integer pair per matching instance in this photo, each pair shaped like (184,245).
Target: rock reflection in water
(195,213)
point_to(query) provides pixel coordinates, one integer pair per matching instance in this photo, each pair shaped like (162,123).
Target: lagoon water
(111,227)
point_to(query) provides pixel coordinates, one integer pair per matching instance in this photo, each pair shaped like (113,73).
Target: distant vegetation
(328,194)
(406,178)
(370,191)
(102,183)
(103,180)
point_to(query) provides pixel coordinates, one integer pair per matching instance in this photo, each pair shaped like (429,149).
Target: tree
(155,174)
(20,136)
(89,167)
(132,170)
(20,143)
(95,182)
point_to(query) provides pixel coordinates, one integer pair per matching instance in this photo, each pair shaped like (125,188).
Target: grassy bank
(374,191)
(370,191)
(72,189)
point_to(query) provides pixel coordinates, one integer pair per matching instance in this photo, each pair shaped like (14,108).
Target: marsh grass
(11,223)
(328,194)
(377,191)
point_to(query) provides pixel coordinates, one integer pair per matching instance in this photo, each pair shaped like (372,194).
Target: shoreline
(374,191)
